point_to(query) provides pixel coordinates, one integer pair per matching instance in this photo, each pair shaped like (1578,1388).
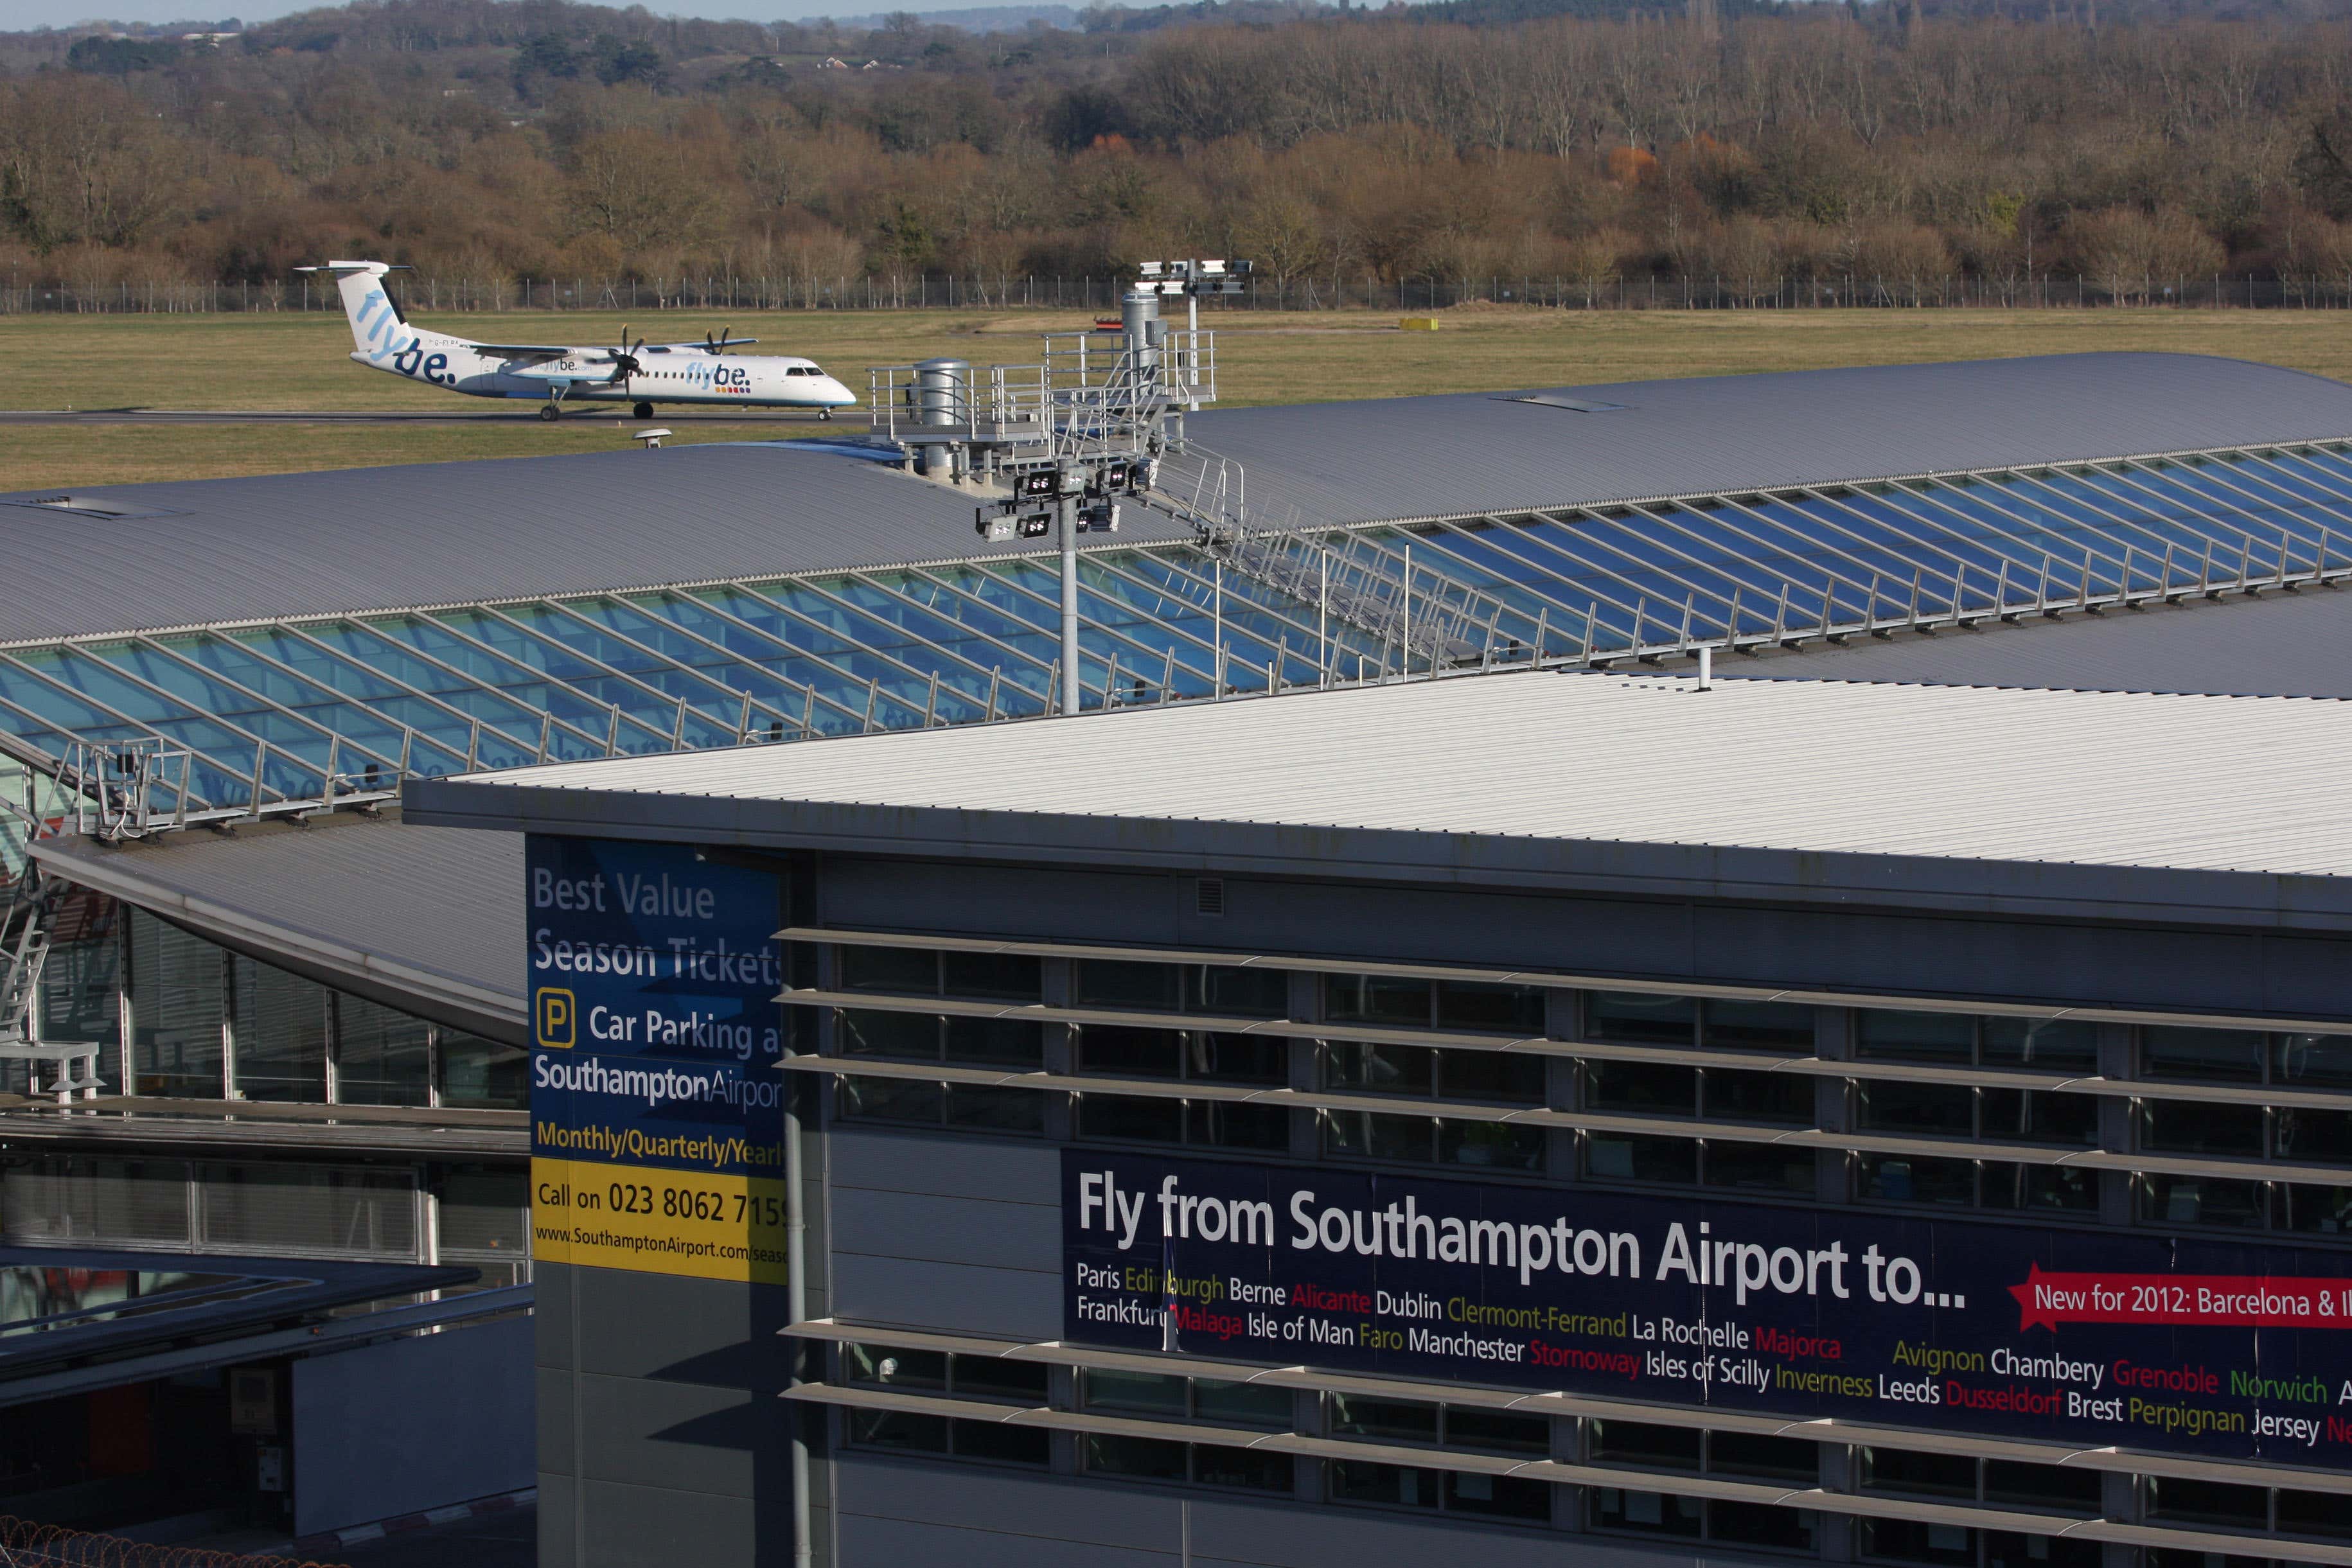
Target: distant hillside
(982,19)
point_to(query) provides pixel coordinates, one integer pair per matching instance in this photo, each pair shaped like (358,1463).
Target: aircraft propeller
(719,343)
(624,360)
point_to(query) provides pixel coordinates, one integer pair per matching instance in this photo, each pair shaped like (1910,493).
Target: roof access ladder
(1432,621)
(28,926)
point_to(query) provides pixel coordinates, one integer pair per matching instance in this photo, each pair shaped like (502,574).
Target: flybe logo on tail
(375,319)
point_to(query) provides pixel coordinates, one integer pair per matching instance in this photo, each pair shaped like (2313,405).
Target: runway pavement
(529,414)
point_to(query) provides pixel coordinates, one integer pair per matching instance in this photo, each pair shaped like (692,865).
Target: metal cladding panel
(385,1431)
(429,916)
(896,1511)
(1480,452)
(2286,644)
(1018,1303)
(1517,768)
(377,538)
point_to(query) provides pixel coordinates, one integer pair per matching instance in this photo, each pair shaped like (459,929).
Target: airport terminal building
(1496,1090)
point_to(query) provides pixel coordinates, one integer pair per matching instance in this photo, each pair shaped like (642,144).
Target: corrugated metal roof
(427,920)
(2279,644)
(357,539)
(2248,784)
(377,538)
(1433,456)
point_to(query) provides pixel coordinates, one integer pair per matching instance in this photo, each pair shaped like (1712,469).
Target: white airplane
(702,373)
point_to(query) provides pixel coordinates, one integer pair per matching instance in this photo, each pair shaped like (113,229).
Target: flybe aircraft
(701,373)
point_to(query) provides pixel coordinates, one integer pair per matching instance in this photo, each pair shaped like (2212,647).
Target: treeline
(1902,142)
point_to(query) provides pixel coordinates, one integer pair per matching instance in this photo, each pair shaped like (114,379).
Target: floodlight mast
(1059,443)
(1070,479)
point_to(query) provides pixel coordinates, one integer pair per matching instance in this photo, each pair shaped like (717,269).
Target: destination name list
(1683,1302)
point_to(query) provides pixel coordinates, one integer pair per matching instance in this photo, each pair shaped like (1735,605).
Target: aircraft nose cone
(835,395)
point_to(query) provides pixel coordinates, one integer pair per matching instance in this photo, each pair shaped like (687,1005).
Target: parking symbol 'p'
(557,1019)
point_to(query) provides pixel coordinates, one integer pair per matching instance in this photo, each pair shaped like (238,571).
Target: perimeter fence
(889,291)
(26,1544)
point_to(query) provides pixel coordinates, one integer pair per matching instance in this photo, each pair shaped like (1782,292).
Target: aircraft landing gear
(826,414)
(642,411)
(549,412)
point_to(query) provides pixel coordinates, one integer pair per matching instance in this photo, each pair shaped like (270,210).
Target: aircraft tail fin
(376,320)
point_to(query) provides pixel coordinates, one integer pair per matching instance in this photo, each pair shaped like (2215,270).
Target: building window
(1929,1181)
(176,1013)
(1363,1482)
(2321,1514)
(1651,1446)
(1647,1513)
(908,1432)
(2326,1210)
(931,1037)
(2246,1056)
(1453,1426)
(478,1073)
(2255,1133)
(1626,1511)
(1686,1450)
(91,1198)
(1430,1140)
(279,1022)
(1457,1428)
(1912,1541)
(382,1057)
(2289,1133)
(1200,1400)
(2013,1549)
(974,1107)
(337,1211)
(2170,1199)
(921,972)
(1017,1385)
(1640,1018)
(2006,1483)
(1964,1040)
(1219,990)
(1496,1077)
(1695,1162)
(2256,1511)
(1195,1464)
(1906,1472)
(1205,1056)
(1716,1093)
(960,1377)
(482,1217)
(1458,1007)
(1203,1123)
(1956,1111)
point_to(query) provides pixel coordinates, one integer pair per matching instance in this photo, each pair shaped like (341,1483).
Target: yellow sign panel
(559,1018)
(659,1221)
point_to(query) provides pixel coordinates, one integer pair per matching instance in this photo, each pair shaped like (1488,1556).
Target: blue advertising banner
(2097,1338)
(657,1105)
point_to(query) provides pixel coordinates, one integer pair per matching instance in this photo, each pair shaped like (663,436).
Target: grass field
(298,362)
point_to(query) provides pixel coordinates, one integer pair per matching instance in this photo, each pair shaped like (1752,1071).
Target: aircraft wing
(703,344)
(533,350)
